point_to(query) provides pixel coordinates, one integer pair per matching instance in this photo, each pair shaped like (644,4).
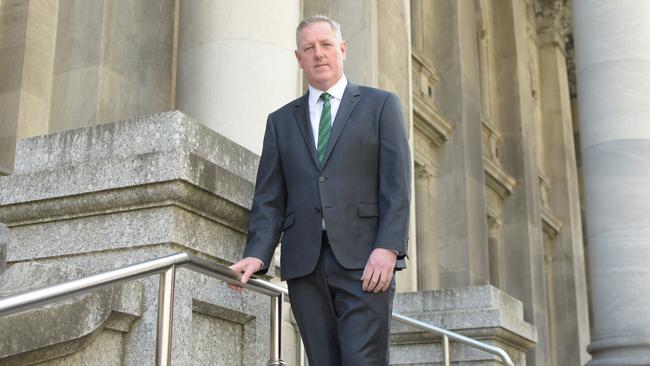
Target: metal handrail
(446,335)
(166,267)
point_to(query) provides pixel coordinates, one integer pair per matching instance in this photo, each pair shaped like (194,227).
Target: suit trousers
(340,324)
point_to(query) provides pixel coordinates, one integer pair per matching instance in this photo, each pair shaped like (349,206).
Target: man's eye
(308,48)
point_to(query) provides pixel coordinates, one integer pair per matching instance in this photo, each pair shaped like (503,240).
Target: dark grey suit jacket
(362,189)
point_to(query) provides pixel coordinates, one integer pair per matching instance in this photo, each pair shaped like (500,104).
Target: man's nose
(318,52)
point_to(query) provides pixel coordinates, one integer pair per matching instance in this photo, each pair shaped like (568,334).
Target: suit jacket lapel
(301,114)
(348,102)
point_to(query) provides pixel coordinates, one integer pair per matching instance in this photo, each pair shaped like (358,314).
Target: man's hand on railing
(247,267)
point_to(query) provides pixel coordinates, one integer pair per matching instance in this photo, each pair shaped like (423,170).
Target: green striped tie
(324,127)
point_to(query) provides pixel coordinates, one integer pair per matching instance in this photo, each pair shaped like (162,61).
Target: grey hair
(336,27)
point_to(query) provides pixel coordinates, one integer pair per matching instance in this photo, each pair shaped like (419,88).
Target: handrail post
(301,355)
(165,317)
(445,345)
(276,330)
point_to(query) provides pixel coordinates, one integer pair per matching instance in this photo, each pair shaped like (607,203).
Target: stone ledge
(166,131)
(158,148)
(177,193)
(155,167)
(484,313)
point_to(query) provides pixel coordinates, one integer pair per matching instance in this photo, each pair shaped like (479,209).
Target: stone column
(113,60)
(568,301)
(427,248)
(495,251)
(522,231)
(13,25)
(37,68)
(462,235)
(613,74)
(236,64)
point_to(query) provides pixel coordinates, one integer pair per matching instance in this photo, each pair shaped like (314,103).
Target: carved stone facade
(487,88)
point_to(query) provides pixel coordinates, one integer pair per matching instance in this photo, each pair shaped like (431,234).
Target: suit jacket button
(321,179)
(317,209)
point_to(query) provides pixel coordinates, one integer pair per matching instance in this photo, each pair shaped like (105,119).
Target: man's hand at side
(247,267)
(379,270)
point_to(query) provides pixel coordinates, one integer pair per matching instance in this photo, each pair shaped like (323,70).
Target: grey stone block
(95,199)
(484,313)
(137,182)
(57,165)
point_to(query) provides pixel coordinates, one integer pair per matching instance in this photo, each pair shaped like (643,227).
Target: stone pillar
(236,64)
(36,85)
(567,295)
(427,248)
(495,250)
(522,231)
(462,236)
(13,25)
(113,60)
(79,63)
(613,74)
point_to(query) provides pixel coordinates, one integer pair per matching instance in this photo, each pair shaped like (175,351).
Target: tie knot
(325,96)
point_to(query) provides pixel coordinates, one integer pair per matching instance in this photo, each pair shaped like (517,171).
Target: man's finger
(237,267)
(389,278)
(247,274)
(235,287)
(374,280)
(380,282)
(365,278)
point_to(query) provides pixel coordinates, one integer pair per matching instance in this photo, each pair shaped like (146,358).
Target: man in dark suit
(334,179)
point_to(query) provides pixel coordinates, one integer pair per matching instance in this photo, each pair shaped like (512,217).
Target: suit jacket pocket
(289,220)
(368,210)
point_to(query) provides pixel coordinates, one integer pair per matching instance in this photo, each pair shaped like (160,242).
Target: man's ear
(344,49)
(297,54)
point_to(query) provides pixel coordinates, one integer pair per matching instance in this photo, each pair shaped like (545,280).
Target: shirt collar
(335,91)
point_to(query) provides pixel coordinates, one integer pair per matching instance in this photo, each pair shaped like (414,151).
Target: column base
(628,350)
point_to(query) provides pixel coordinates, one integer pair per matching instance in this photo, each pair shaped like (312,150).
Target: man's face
(320,55)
